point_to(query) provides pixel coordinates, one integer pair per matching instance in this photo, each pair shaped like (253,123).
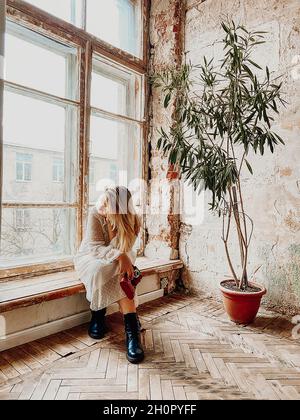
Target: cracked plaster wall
(273,193)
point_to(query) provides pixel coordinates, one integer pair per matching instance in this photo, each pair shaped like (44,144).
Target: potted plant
(222,114)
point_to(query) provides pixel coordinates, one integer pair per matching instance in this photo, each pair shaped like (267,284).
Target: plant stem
(230,264)
(225,240)
(245,274)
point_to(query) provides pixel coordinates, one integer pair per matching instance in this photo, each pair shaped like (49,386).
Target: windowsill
(27,292)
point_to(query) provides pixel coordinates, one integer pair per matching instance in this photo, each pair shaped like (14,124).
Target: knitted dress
(96,265)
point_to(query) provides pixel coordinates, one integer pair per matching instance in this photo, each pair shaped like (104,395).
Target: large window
(115,127)
(73,124)
(40,122)
(117,22)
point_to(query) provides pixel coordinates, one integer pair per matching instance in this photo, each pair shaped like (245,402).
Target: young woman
(106,255)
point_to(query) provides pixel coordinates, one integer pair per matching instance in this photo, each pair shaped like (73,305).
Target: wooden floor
(192,352)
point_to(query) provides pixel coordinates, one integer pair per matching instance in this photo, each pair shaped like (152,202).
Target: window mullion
(70,155)
(84,146)
(37,94)
(110,115)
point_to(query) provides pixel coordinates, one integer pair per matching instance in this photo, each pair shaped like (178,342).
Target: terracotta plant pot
(242,307)
(172,173)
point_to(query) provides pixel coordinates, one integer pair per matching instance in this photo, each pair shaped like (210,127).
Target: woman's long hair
(122,216)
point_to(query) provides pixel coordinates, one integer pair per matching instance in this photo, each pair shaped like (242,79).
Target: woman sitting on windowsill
(104,256)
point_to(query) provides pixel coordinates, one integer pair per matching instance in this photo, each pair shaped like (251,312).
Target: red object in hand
(128,285)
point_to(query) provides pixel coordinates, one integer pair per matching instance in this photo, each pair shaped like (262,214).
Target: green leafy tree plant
(223,112)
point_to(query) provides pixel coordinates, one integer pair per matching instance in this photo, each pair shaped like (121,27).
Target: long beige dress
(96,264)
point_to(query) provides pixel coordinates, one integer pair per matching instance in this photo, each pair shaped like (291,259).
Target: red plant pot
(242,307)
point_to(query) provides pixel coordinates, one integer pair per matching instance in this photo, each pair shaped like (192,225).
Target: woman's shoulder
(95,213)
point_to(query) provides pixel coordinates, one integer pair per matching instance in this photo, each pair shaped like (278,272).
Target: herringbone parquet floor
(192,352)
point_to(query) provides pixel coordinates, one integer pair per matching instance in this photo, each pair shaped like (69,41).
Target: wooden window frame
(42,22)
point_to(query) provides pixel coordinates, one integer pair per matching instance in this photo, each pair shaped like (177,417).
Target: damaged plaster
(272,194)
(163,221)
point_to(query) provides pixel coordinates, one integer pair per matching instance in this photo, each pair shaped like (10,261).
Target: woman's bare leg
(127,306)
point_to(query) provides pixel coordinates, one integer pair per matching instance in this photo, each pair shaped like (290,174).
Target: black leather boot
(97,327)
(135,353)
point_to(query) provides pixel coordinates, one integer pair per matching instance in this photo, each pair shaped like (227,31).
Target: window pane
(68,10)
(27,172)
(115,154)
(36,235)
(28,58)
(23,167)
(108,94)
(116,22)
(35,134)
(19,172)
(116,90)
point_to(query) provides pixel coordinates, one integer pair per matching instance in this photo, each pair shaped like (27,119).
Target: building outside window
(114,172)
(22,219)
(58,170)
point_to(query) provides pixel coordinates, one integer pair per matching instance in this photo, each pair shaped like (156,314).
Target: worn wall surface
(273,193)
(163,198)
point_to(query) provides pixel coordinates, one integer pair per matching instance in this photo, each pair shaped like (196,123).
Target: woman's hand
(125,265)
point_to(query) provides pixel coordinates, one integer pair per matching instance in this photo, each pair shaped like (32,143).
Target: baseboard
(35,333)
